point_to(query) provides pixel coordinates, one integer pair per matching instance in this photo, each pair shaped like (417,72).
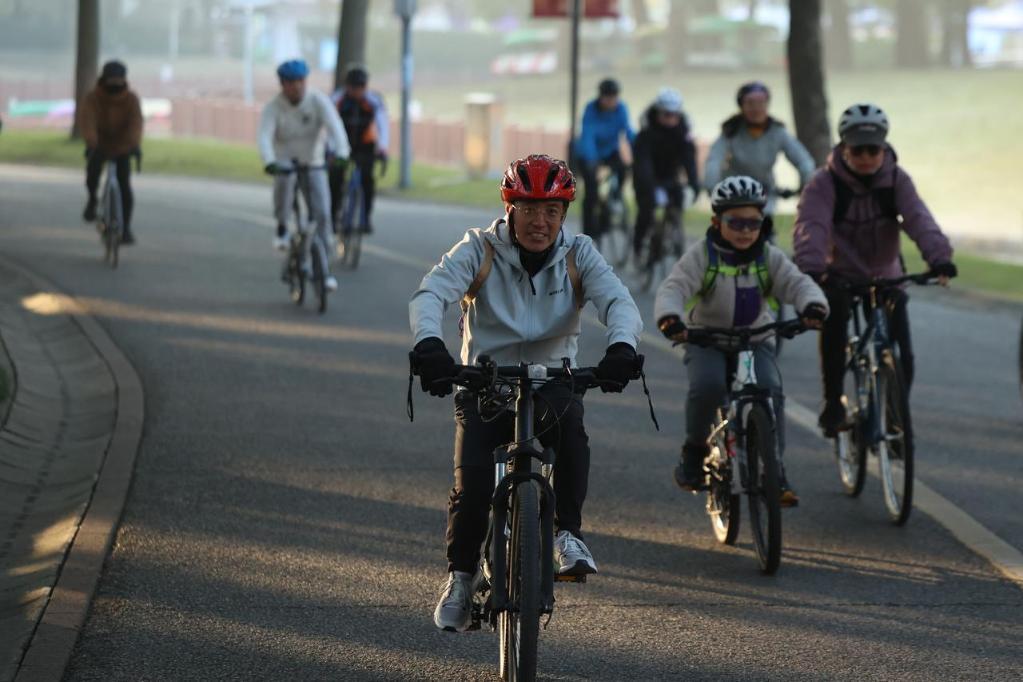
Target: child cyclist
(731,279)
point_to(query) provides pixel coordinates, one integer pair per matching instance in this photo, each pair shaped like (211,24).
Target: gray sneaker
(454,610)
(571,555)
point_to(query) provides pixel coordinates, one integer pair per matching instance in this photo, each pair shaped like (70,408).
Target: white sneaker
(572,555)
(331,283)
(454,610)
(281,243)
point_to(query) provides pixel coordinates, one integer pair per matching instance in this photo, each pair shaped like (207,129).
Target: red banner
(592,9)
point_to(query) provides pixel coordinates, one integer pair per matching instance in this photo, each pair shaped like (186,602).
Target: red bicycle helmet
(538,176)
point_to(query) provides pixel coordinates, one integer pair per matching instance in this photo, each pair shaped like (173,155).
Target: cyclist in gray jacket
(536,278)
(750,142)
(731,280)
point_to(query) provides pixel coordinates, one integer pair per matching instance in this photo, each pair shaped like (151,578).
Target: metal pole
(574,96)
(404,180)
(247,78)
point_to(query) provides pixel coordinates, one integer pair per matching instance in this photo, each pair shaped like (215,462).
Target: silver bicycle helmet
(863,124)
(735,191)
(669,100)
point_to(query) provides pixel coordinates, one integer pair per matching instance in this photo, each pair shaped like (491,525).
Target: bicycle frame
(354,184)
(513,467)
(743,395)
(869,342)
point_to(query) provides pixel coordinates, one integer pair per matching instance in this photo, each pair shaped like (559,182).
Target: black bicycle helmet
(357,77)
(608,88)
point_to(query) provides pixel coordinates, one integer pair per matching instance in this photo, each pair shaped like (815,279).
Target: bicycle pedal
(570,578)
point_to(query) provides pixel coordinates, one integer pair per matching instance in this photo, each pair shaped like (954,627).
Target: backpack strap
(709,275)
(843,197)
(575,278)
(714,268)
(481,276)
(763,273)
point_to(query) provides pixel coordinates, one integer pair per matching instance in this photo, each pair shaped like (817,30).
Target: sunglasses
(868,149)
(743,224)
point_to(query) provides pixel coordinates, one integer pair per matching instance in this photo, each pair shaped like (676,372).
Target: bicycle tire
(723,507)
(352,219)
(779,340)
(851,455)
(519,626)
(764,489)
(296,278)
(895,450)
(316,252)
(114,227)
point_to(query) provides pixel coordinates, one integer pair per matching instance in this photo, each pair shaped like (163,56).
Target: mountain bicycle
(516,575)
(110,217)
(744,439)
(613,218)
(877,405)
(296,273)
(351,220)
(665,242)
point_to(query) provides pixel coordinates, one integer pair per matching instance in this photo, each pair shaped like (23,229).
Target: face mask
(114,89)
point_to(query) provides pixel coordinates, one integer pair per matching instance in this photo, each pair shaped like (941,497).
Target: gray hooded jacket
(742,154)
(515,318)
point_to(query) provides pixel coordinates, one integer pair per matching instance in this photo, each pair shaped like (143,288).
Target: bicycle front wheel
(519,625)
(723,506)
(114,227)
(895,448)
(764,488)
(319,258)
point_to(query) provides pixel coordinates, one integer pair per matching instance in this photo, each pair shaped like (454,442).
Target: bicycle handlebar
(740,338)
(920,278)
(782,193)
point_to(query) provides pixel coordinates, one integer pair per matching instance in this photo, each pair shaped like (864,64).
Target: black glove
(434,364)
(696,192)
(617,367)
(814,311)
(88,152)
(382,158)
(818,277)
(672,327)
(270,168)
(944,270)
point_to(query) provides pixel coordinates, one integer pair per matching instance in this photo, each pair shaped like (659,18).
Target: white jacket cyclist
(296,131)
(515,318)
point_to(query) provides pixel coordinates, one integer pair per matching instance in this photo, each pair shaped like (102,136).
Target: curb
(53,641)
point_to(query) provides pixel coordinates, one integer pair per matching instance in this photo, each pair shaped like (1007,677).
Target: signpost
(405,9)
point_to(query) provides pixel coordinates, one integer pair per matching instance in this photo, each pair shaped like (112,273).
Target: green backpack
(715,267)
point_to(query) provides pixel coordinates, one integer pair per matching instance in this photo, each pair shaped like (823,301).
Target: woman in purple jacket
(848,228)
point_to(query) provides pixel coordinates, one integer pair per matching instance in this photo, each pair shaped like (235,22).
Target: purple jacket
(865,242)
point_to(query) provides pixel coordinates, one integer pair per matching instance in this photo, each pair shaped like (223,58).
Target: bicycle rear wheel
(296,278)
(353,221)
(319,258)
(895,449)
(851,453)
(723,507)
(519,626)
(764,489)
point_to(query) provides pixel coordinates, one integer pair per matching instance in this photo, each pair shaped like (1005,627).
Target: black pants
(591,196)
(834,337)
(93,169)
(646,204)
(475,441)
(364,158)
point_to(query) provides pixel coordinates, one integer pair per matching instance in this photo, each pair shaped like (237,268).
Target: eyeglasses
(743,224)
(868,149)
(549,213)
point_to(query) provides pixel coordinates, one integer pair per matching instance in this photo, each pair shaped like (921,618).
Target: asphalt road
(286,521)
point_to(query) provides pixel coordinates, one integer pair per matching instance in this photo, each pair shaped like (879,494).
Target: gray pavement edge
(54,639)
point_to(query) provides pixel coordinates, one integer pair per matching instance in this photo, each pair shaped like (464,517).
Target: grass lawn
(448,185)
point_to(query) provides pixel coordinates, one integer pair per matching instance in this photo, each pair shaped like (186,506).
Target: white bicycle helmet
(863,124)
(735,191)
(669,101)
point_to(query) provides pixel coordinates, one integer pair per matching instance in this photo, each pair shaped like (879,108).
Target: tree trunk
(351,38)
(839,47)
(677,36)
(87,59)
(806,78)
(911,34)
(955,51)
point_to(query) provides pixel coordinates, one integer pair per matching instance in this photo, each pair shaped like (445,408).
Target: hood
(499,236)
(732,125)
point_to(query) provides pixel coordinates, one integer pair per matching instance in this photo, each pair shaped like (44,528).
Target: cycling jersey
(741,151)
(295,131)
(365,120)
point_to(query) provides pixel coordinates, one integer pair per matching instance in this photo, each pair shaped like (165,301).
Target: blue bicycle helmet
(293,70)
